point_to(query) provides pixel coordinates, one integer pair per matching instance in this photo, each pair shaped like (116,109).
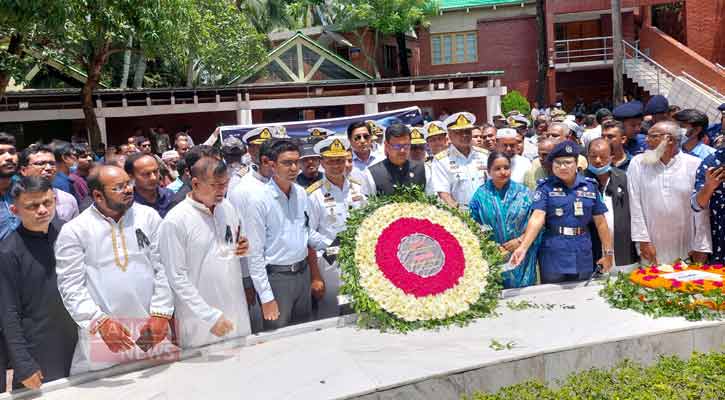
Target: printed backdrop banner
(407,116)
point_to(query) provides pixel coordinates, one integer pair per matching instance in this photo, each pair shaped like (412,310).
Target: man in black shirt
(396,169)
(38,335)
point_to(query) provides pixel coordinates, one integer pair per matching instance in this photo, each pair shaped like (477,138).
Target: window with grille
(454,48)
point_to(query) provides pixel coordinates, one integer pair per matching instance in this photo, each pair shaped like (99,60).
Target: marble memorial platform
(574,329)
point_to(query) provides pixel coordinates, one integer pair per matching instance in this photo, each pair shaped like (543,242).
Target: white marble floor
(344,362)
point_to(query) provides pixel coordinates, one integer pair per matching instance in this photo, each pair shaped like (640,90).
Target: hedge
(700,377)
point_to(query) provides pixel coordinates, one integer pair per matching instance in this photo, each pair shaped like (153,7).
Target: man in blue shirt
(277,226)
(630,115)
(8,169)
(65,159)
(709,196)
(144,170)
(694,122)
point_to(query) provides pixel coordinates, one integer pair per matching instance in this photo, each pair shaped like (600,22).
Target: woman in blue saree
(504,207)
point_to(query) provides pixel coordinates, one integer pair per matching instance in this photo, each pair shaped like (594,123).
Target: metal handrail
(639,54)
(582,39)
(564,55)
(713,91)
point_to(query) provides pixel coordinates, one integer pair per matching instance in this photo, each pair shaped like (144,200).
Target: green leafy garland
(370,314)
(621,292)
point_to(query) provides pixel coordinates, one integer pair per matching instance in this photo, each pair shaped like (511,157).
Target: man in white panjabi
(660,183)
(201,239)
(111,278)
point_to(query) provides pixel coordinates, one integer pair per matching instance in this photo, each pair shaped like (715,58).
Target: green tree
(213,42)
(25,24)
(514,100)
(383,17)
(266,15)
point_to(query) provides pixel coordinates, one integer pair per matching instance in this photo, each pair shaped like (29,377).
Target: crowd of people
(157,244)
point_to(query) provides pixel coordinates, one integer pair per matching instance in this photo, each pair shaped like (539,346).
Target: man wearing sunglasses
(396,169)
(361,141)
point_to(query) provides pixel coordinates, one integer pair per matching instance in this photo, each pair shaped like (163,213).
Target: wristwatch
(609,252)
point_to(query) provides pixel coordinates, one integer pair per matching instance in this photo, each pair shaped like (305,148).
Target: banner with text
(407,116)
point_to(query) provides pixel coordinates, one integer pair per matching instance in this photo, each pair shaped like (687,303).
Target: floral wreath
(695,292)
(409,262)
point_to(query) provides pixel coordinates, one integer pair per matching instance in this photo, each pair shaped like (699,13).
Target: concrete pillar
(244,116)
(493,107)
(102,126)
(371,107)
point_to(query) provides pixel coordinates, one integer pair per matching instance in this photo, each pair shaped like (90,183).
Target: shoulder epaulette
(355,181)
(443,154)
(242,170)
(480,149)
(314,186)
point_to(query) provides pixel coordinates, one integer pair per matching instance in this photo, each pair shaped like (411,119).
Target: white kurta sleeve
(254,217)
(638,221)
(367,184)
(162,301)
(236,198)
(71,270)
(173,251)
(702,238)
(439,179)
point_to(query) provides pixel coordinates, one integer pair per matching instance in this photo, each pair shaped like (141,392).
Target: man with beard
(8,169)
(144,170)
(110,275)
(38,160)
(309,166)
(508,142)
(660,184)
(200,241)
(38,333)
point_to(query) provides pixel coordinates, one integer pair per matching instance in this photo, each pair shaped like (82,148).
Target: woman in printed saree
(504,207)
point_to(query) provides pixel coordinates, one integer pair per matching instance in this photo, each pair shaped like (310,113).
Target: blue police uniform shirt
(636,145)
(560,254)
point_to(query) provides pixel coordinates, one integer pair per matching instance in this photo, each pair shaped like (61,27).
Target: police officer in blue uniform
(631,115)
(564,204)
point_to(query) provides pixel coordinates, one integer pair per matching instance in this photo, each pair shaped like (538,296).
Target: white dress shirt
(459,175)
(278,230)
(206,277)
(330,205)
(359,165)
(519,166)
(94,286)
(659,198)
(66,205)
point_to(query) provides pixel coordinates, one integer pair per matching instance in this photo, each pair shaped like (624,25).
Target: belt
(295,268)
(567,231)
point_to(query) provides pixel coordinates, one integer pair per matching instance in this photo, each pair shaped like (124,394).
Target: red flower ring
(386,256)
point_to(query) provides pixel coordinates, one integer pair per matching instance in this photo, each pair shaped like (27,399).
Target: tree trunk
(14,47)
(190,71)
(402,54)
(95,65)
(139,71)
(126,63)
(618,61)
(372,64)
(543,62)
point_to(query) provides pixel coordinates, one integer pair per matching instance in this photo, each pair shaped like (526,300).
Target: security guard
(309,166)
(564,204)
(630,115)
(459,171)
(437,137)
(331,199)
(658,107)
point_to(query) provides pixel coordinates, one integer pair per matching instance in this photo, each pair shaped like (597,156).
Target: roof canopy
(301,59)
(462,4)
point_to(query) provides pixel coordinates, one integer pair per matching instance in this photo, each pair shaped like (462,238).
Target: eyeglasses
(120,188)
(654,136)
(145,145)
(358,138)
(564,163)
(400,147)
(42,164)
